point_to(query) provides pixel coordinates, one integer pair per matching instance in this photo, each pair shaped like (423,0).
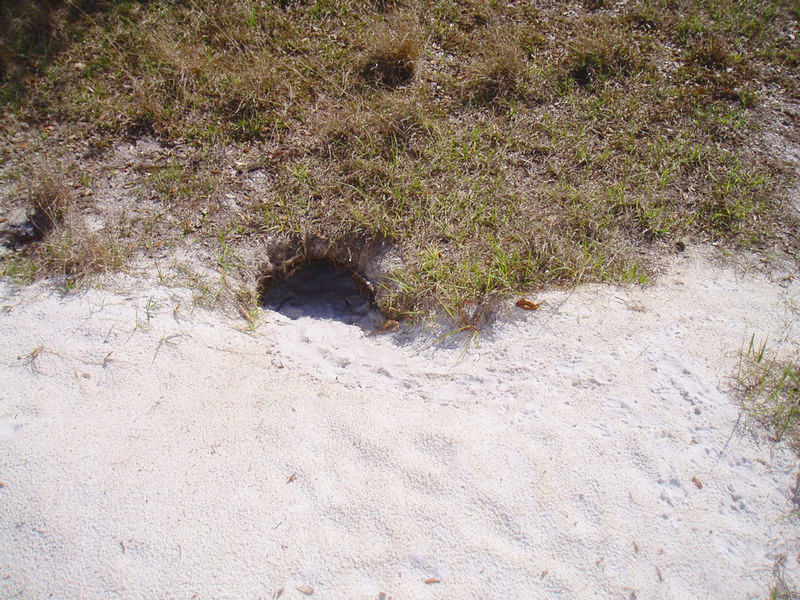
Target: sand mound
(584,450)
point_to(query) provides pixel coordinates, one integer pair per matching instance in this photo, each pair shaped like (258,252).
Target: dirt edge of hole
(363,258)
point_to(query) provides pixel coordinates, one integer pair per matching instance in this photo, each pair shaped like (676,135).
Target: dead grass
(29,31)
(710,52)
(494,147)
(70,249)
(63,244)
(600,55)
(499,70)
(393,52)
(50,198)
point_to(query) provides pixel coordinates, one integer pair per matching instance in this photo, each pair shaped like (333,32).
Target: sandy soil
(585,450)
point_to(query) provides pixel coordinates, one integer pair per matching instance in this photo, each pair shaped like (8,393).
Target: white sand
(555,461)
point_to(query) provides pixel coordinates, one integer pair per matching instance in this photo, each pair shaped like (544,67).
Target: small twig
(166,340)
(728,441)
(30,358)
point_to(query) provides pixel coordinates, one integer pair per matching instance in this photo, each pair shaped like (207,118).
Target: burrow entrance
(320,289)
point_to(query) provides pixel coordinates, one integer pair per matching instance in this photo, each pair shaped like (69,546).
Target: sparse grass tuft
(771,387)
(499,70)
(710,52)
(385,126)
(601,56)
(63,244)
(72,250)
(394,49)
(782,589)
(49,198)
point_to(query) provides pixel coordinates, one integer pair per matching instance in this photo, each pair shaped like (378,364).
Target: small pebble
(305,589)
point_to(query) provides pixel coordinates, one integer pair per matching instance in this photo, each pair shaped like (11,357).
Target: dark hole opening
(321,290)
(16,235)
(391,73)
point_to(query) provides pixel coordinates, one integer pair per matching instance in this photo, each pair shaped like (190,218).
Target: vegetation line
(483,148)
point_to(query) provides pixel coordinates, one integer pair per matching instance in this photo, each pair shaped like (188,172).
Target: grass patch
(61,243)
(771,387)
(495,146)
(500,69)
(394,49)
(593,60)
(50,198)
(72,250)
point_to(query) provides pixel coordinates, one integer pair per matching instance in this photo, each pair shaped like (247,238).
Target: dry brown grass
(711,52)
(385,125)
(601,55)
(72,250)
(500,68)
(63,244)
(49,196)
(27,31)
(492,147)
(393,52)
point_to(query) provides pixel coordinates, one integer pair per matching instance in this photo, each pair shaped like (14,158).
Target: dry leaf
(292,477)
(525,304)
(305,589)
(544,573)
(697,482)
(390,325)
(431,580)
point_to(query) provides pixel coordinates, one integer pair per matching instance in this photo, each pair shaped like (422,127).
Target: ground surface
(584,450)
